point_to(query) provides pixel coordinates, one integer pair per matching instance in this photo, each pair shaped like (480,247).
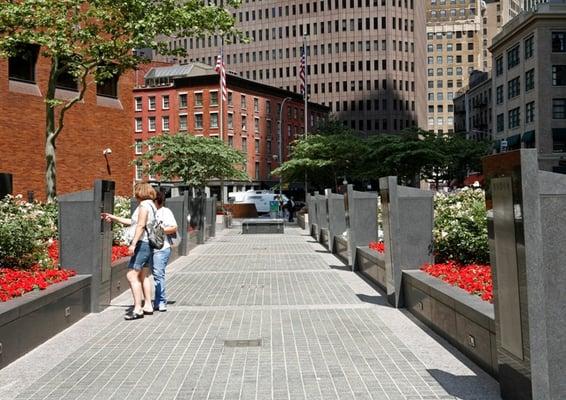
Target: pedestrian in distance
(290,208)
(161,256)
(139,249)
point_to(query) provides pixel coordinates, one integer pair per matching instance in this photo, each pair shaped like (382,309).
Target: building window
(139,146)
(65,80)
(139,125)
(513,57)
(183,123)
(165,123)
(559,42)
(257,146)
(230,97)
(243,102)
(513,88)
(256,125)
(231,141)
(151,124)
(198,121)
(244,145)
(165,102)
(244,123)
(214,120)
(138,104)
(183,100)
(108,87)
(198,99)
(559,75)
(559,108)
(151,103)
(529,47)
(21,67)
(559,140)
(530,112)
(213,98)
(257,166)
(514,118)
(499,94)
(256,104)
(498,66)
(529,79)
(230,121)
(139,172)
(500,122)
(268,107)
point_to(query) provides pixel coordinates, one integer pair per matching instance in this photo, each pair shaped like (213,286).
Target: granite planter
(341,249)
(371,264)
(463,319)
(29,320)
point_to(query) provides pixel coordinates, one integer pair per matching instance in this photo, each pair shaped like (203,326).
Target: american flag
(221,70)
(302,72)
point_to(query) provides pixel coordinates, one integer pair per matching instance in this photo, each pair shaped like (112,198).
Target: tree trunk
(50,136)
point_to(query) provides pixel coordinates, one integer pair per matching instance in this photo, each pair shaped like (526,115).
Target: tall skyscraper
(495,14)
(459,33)
(365,58)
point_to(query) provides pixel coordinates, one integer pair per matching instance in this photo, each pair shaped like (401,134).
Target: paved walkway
(254,317)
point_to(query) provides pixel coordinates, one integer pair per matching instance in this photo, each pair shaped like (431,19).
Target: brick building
(101,121)
(186,98)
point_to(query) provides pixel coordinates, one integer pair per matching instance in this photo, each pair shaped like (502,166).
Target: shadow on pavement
(378,300)
(341,267)
(468,387)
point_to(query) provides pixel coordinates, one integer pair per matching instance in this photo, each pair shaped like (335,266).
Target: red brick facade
(90,127)
(249,117)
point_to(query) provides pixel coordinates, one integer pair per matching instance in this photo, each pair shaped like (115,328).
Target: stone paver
(254,317)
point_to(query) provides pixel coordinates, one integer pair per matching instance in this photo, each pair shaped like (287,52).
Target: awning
(528,137)
(514,140)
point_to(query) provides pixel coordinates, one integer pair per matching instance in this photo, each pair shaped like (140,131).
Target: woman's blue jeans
(159,262)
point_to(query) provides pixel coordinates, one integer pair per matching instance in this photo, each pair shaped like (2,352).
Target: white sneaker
(162,308)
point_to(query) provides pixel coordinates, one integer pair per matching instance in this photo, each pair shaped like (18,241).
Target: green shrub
(460,227)
(122,208)
(25,229)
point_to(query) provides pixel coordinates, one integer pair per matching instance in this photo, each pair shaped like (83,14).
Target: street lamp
(281,140)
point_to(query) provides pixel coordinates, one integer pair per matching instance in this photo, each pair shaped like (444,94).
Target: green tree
(92,40)
(193,159)
(325,159)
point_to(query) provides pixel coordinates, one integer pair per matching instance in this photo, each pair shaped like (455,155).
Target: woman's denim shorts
(142,255)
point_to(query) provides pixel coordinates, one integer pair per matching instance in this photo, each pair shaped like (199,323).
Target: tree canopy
(334,152)
(195,160)
(93,41)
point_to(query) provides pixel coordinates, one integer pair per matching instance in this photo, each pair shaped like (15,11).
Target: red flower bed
(377,246)
(475,279)
(119,252)
(16,282)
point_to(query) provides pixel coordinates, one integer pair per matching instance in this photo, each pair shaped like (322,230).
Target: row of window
(21,67)
(199,123)
(514,117)
(440,84)
(461,12)
(449,35)
(301,9)
(329,48)
(449,47)
(449,71)
(298,31)
(449,59)
(513,54)
(373,105)
(443,2)
(440,121)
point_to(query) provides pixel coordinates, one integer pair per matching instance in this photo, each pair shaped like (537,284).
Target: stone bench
(254,226)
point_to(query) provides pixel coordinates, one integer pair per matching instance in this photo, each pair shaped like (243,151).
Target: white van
(261,199)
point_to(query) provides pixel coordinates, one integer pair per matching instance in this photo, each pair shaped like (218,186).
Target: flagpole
(305,97)
(221,93)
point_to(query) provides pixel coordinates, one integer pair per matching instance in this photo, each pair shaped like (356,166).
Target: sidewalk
(253,317)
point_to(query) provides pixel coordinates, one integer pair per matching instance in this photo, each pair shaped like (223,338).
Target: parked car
(261,199)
